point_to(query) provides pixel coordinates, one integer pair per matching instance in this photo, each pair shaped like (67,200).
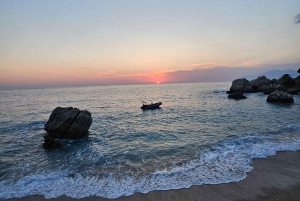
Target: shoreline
(273,178)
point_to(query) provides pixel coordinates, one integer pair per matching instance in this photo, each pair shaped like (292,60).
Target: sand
(274,178)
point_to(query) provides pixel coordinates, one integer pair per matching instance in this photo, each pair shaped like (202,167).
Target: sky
(101,42)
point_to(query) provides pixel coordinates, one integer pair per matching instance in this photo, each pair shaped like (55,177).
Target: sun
(157,82)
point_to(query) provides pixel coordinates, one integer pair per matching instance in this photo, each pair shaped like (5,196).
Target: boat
(150,106)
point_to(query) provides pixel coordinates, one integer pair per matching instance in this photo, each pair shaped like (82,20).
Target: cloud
(251,64)
(224,73)
(104,74)
(297,19)
(207,65)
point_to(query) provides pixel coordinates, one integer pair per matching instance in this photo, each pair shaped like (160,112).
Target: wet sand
(274,178)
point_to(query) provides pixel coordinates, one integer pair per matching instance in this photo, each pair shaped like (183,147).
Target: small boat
(150,106)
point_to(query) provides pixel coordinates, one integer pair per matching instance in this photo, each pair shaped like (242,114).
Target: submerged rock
(68,123)
(280,96)
(50,143)
(237,95)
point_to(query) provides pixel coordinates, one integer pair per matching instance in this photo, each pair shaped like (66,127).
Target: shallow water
(198,136)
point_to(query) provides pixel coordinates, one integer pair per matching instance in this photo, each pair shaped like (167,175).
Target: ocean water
(198,136)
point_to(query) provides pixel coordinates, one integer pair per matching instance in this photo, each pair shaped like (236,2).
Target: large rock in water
(280,96)
(240,85)
(68,123)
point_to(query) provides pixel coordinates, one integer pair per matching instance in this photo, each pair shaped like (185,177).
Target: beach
(149,100)
(274,178)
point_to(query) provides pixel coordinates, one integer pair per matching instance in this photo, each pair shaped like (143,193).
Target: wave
(34,126)
(226,161)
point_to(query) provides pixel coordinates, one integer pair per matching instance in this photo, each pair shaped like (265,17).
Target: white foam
(37,126)
(226,162)
(294,127)
(30,127)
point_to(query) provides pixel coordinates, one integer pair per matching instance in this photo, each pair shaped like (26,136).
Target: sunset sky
(97,42)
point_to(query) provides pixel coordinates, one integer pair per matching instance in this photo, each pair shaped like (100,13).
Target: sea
(198,136)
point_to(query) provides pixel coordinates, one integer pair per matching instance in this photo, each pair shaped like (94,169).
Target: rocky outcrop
(244,86)
(295,88)
(240,85)
(258,84)
(280,96)
(272,88)
(298,70)
(297,82)
(286,81)
(291,85)
(68,123)
(273,81)
(237,95)
(50,143)
(265,85)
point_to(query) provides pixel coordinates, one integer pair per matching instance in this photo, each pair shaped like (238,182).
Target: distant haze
(61,43)
(211,74)
(223,74)
(274,74)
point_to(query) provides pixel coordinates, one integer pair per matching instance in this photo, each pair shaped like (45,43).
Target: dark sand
(274,178)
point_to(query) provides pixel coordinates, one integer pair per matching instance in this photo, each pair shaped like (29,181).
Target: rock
(240,85)
(50,143)
(272,88)
(259,83)
(292,85)
(286,81)
(237,95)
(293,91)
(68,123)
(273,81)
(60,120)
(80,125)
(296,87)
(256,85)
(265,85)
(298,70)
(280,96)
